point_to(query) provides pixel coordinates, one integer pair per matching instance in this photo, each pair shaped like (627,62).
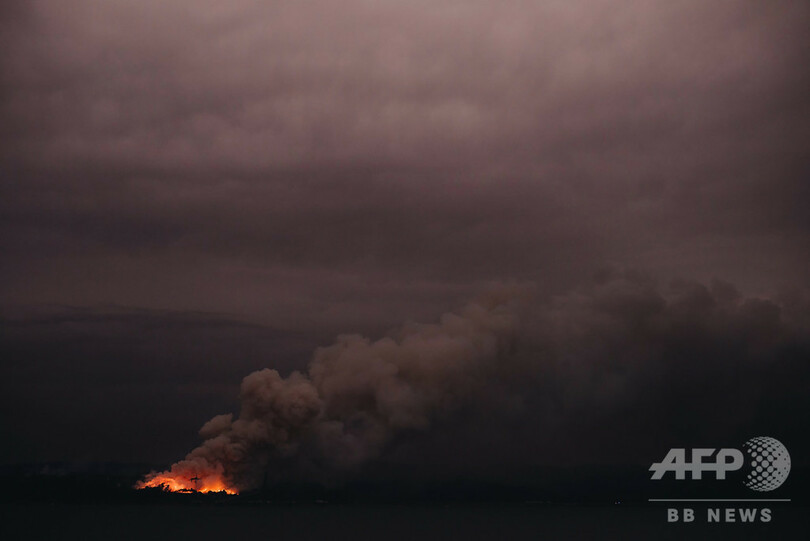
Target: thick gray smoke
(608,371)
(355,396)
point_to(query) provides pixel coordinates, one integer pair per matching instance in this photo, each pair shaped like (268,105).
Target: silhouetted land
(594,485)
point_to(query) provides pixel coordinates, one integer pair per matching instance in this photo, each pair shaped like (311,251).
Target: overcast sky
(193,190)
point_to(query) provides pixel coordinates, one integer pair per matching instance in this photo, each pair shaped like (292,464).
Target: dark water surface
(379,522)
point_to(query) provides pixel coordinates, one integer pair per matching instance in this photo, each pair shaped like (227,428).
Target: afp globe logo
(769,463)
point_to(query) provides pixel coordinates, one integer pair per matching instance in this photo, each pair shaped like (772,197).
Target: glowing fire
(171,483)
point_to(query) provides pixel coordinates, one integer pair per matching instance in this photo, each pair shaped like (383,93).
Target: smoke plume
(354,397)
(617,361)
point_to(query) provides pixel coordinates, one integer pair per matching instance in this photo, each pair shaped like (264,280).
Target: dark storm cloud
(399,142)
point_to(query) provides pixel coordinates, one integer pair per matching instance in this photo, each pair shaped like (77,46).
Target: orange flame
(171,483)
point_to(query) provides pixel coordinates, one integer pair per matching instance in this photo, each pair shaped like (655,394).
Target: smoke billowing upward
(196,192)
(621,352)
(354,397)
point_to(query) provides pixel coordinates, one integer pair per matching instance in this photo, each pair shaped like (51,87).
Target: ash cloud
(355,396)
(609,373)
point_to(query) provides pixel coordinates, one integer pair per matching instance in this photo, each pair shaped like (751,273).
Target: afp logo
(765,461)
